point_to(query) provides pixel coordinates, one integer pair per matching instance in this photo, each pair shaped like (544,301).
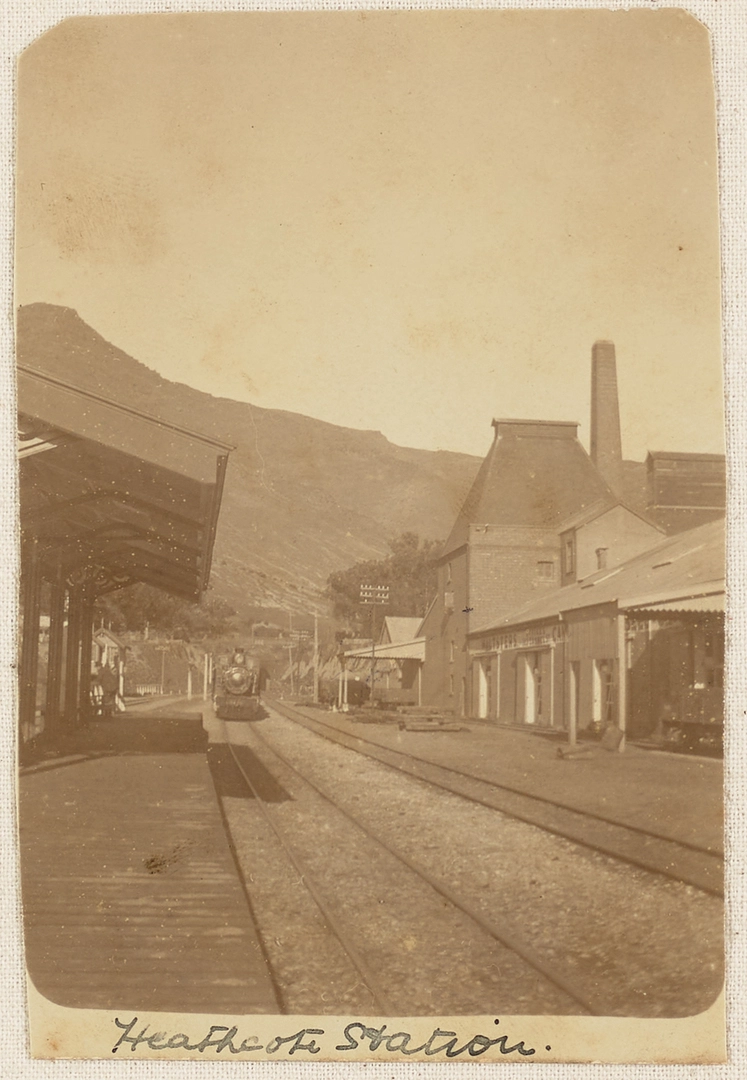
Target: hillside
(302,497)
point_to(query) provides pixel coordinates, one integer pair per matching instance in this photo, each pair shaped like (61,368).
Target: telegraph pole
(373,595)
(316,659)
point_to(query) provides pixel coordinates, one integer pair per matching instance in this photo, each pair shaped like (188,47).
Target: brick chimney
(606,444)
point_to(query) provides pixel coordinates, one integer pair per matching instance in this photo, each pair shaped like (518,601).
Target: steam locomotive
(238,686)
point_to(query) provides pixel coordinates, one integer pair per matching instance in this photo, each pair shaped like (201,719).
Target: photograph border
(726,21)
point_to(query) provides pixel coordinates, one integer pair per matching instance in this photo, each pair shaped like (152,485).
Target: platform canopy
(113,494)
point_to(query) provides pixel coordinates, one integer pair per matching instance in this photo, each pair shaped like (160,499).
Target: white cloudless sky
(404,221)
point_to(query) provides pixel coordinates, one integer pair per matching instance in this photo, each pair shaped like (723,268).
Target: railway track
(645,849)
(347,930)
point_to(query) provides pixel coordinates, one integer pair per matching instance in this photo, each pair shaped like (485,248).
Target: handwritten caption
(220,1037)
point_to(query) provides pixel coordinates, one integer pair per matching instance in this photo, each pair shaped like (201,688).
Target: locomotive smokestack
(606,444)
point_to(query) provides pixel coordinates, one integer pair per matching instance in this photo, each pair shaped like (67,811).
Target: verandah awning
(709,605)
(406,650)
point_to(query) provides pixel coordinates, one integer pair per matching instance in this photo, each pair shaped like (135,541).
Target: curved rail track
(501,932)
(645,849)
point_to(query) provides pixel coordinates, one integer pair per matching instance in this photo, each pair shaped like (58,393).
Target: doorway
(532,687)
(483,689)
(603,705)
(574,686)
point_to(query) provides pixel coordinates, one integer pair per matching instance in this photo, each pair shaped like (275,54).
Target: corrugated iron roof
(713,604)
(118,492)
(682,567)
(404,650)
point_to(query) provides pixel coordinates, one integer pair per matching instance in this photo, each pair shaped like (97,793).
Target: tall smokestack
(606,444)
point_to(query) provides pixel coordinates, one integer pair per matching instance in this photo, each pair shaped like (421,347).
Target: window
(713,661)
(601,558)
(448,573)
(546,570)
(569,556)
(451,685)
(452,651)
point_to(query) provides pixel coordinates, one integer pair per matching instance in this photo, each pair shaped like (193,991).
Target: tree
(410,573)
(138,606)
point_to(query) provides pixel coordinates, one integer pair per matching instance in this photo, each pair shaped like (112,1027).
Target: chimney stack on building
(606,444)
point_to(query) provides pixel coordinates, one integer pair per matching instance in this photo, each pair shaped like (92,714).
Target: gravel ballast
(635,943)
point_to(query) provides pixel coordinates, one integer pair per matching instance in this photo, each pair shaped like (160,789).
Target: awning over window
(109,491)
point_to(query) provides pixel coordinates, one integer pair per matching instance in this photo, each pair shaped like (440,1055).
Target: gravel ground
(637,944)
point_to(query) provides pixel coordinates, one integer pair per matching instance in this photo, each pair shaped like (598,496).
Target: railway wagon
(239,681)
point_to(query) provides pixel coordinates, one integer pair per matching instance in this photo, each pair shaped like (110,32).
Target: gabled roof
(603,506)
(103,636)
(680,568)
(536,474)
(402,627)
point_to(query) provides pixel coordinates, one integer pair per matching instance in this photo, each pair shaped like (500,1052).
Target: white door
(530,689)
(482,701)
(596,704)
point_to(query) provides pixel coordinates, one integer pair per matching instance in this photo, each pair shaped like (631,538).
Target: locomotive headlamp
(236,680)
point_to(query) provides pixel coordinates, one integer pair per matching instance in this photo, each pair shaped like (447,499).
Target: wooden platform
(131,896)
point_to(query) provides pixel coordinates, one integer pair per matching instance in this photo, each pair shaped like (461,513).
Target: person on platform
(97,691)
(109,685)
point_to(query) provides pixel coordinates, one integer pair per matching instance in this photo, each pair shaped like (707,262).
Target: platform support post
(29,659)
(86,649)
(622,680)
(56,654)
(72,656)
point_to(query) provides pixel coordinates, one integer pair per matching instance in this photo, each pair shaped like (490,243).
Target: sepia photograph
(372,524)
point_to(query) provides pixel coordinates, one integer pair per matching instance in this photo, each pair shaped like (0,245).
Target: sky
(410,222)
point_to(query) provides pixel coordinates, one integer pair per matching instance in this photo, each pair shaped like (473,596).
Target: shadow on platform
(175,733)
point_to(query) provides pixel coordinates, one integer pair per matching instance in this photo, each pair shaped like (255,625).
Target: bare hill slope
(302,497)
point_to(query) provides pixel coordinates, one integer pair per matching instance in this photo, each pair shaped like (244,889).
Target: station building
(639,646)
(398,663)
(542,513)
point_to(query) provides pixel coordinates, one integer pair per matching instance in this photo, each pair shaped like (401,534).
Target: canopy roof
(402,650)
(111,492)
